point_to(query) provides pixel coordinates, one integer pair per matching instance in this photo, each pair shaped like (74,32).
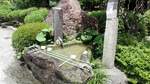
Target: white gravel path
(10,70)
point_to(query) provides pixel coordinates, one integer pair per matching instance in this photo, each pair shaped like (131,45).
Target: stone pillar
(115,76)
(111,31)
(57,22)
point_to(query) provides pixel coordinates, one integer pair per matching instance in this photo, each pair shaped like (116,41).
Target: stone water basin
(72,49)
(58,66)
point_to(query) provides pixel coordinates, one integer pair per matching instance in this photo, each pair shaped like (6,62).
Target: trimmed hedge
(4,10)
(26,35)
(20,14)
(36,16)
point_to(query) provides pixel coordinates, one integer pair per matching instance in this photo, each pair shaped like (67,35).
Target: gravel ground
(10,70)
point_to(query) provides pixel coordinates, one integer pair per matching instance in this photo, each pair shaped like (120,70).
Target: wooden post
(111,31)
(57,23)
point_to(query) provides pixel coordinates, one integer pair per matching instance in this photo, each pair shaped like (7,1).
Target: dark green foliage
(101,18)
(29,3)
(132,23)
(127,39)
(36,16)
(93,38)
(135,62)
(99,75)
(26,35)
(94,4)
(146,21)
(33,3)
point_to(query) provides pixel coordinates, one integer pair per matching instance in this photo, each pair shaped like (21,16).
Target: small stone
(147,38)
(49,49)
(85,52)
(43,47)
(73,56)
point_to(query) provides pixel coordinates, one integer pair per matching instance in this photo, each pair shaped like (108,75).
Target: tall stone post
(115,76)
(111,31)
(57,23)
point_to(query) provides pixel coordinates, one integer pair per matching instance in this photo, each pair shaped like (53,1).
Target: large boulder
(51,70)
(74,18)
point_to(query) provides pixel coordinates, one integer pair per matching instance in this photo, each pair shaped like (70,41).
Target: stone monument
(57,23)
(115,76)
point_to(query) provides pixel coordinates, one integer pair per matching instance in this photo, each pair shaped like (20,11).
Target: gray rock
(147,38)
(50,70)
(75,19)
(115,76)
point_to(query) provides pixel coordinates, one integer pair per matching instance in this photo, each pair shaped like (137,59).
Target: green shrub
(135,62)
(146,22)
(4,10)
(14,15)
(132,23)
(101,18)
(26,35)
(99,74)
(127,39)
(20,14)
(36,16)
(93,38)
(31,3)
(94,4)
(25,12)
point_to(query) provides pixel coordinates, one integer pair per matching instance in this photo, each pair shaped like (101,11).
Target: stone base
(115,76)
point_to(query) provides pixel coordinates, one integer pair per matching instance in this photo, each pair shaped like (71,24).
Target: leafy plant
(134,60)
(146,20)
(99,74)
(127,39)
(45,35)
(94,4)
(22,4)
(101,18)
(132,23)
(93,38)
(25,35)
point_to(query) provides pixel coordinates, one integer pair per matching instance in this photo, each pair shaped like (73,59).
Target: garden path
(10,70)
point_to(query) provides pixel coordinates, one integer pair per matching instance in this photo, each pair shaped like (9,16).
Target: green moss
(26,35)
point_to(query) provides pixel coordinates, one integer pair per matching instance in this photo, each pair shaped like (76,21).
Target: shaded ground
(10,70)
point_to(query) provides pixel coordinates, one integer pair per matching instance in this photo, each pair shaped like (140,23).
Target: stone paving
(11,72)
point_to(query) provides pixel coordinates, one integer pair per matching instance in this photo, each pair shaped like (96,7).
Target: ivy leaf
(41,37)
